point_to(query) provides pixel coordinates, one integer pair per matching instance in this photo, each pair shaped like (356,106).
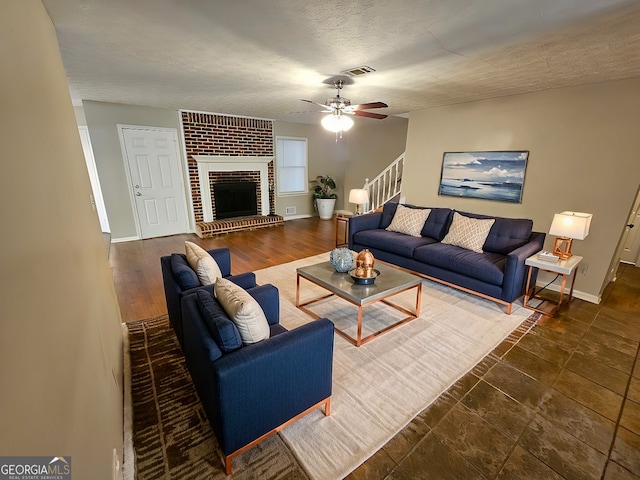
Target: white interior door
(156,179)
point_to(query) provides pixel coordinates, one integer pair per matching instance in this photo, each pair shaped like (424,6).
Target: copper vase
(364,264)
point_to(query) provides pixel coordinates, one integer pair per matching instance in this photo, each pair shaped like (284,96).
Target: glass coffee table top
(391,281)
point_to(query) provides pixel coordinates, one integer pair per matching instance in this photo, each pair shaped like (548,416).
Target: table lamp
(360,197)
(569,226)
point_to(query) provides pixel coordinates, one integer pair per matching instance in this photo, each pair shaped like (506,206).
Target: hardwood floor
(136,265)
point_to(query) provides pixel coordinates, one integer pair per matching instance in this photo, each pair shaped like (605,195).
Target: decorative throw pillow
(409,220)
(469,233)
(243,310)
(183,273)
(204,265)
(223,330)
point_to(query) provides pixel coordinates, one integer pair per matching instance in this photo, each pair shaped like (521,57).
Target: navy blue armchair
(253,391)
(179,278)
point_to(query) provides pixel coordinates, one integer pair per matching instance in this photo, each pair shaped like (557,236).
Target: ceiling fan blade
(360,113)
(315,103)
(309,111)
(367,106)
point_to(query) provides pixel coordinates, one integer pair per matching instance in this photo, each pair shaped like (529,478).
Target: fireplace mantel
(216,163)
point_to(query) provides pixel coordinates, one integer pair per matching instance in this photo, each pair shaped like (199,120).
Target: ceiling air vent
(357,71)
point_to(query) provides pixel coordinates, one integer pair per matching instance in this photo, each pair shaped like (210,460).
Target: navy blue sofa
(498,273)
(250,392)
(179,279)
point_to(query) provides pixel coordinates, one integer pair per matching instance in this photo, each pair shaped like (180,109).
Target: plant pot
(325,207)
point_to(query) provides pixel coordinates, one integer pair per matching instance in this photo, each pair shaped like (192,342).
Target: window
(291,162)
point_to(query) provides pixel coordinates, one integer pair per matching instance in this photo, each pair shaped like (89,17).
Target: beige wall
(320,158)
(364,151)
(325,157)
(60,331)
(584,156)
(102,120)
(371,149)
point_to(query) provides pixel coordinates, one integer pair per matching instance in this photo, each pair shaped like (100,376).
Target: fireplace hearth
(210,166)
(235,199)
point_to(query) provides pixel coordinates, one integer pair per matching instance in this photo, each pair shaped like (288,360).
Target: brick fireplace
(223,148)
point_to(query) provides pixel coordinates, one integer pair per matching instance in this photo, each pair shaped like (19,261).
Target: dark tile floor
(559,399)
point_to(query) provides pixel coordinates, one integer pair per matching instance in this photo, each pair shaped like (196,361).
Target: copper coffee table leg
(359,338)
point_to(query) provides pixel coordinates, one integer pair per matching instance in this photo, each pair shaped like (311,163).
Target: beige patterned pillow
(469,233)
(204,265)
(243,310)
(409,220)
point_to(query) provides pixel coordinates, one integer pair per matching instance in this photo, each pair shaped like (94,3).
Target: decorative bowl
(364,280)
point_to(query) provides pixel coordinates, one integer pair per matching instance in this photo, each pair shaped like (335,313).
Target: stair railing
(385,186)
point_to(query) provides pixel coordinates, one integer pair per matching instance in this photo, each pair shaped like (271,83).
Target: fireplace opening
(235,199)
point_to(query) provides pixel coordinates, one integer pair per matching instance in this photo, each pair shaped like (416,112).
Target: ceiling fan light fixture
(337,123)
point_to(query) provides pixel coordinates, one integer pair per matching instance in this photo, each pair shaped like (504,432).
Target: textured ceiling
(259,57)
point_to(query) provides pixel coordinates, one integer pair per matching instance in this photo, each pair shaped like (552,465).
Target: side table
(342,225)
(565,268)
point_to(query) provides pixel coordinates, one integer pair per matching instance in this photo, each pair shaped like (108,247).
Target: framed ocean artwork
(497,175)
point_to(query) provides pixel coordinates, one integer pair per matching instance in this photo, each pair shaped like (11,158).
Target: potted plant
(324,197)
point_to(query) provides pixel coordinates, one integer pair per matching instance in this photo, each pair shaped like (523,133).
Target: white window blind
(291,162)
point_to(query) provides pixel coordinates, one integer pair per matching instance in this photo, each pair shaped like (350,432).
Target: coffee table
(390,282)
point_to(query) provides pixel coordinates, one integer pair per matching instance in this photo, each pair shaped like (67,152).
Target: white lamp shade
(337,123)
(571,225)
(358,196)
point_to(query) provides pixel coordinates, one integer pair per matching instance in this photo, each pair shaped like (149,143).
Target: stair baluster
(386,186)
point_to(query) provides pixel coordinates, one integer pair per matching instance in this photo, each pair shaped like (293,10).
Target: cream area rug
(381,386)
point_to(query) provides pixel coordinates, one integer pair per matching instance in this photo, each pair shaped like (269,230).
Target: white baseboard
(587,297)
(125,239)
(295,217)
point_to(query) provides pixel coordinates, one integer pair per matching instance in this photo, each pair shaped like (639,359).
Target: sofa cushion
(467,232)
(243,310)
(183,273)
(487,267)
(388,211)
(409,221)
(392,242)
(435,226)
(220,326)
(203,263)
(506,234)
(437,223)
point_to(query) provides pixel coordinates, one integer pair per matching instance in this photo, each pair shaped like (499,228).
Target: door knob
(630,225)
(137,186)
(138,194)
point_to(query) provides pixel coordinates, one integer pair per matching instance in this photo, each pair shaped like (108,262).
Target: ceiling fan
(337,106)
